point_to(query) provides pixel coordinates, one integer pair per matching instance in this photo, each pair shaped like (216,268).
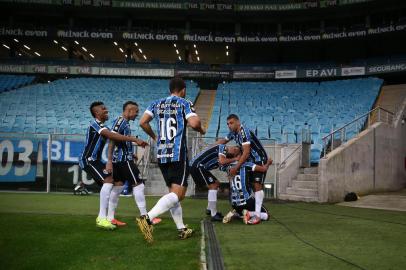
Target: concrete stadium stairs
(304,187)
(391,97)
(204,105)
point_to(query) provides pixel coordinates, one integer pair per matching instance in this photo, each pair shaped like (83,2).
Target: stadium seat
(62,106)
(9,82)
(287,108)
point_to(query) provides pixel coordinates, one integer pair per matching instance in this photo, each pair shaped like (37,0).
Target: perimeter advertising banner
(330,72)
(320,73)
(196,5)
(199,37)
(353,71)
(253,75)
(386,68)
(285,74)
(204,74)
(24,161)
(18,160)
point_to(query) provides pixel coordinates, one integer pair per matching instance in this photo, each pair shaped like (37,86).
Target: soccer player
(201,165)
(241,196)
(172,114)
(90,158)
(252,151)
(121,163)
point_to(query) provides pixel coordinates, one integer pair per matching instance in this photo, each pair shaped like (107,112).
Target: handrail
(145,157)
(356,119)
(367,114)
(288,157)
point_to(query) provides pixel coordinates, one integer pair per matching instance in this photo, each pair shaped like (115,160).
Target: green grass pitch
(57,231)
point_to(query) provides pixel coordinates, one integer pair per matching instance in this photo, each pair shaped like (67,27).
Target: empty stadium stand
(63,105)
(280,110)
(8,82)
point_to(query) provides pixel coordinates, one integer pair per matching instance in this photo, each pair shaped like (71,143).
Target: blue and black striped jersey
(240,190)
(171,114)
(94,143)
(246,136)
(123,151)
(209,157)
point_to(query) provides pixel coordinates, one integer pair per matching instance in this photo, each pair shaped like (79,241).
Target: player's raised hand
(270,161)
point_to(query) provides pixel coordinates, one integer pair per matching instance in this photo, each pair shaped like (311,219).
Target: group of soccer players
(246,164)
(121,163)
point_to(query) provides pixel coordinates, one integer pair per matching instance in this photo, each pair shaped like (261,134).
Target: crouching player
(209,159)
(241,196)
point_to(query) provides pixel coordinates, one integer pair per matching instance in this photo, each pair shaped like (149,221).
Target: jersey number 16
(169,128)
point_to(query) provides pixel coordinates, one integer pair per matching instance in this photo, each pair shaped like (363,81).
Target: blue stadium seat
(62,105)
(9,82)
(284,106)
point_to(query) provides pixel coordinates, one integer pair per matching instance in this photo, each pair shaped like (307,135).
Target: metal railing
(283,163)
(340,135)
(145,161)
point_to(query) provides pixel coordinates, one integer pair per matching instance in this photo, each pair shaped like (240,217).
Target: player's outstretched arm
(261,168)
(246,149)
(117,137)
(144,124)
(223,160)
(196,124)
(109,164)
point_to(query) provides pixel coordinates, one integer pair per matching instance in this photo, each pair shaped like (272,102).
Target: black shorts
(201,176)
(258,177)
(250,206)
(126,171)
(175,172)
(97,170)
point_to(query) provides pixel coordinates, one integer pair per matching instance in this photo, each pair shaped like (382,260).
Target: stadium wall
(288,172)
(372,162)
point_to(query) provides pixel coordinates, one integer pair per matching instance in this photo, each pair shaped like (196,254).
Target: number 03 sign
(18,160)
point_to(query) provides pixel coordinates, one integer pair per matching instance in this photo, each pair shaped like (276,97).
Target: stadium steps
(288,197)
(311,170)
(304,187)
(304,184)
(204,106)
(391,97)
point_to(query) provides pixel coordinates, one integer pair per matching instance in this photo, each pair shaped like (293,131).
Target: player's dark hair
(176,84)
(94,104)
(232,116)
(129,103)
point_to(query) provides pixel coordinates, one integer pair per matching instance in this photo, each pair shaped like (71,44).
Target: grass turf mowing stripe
(314,246)
(53,231)
(341,215)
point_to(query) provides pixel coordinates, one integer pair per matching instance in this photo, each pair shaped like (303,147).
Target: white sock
(104,199)
(259,198)
(176,213)
(263,215)
(139,197)
(165,203)
(212,201)
(113,201)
